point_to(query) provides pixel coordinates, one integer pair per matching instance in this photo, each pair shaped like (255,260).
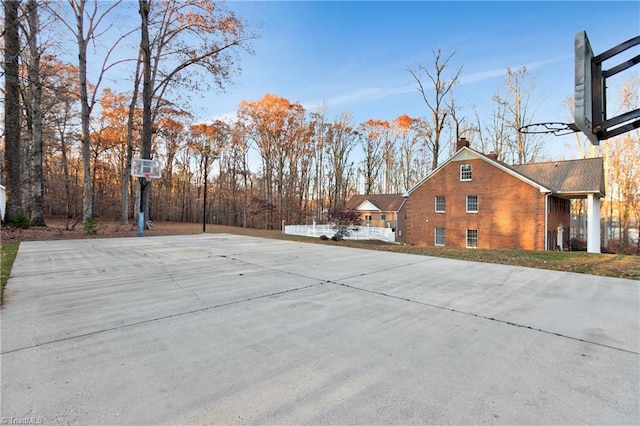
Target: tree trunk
(85,136)
(147,91)
(12,110)
(35,84)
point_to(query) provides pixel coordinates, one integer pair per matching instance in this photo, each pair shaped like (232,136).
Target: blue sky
(355,55)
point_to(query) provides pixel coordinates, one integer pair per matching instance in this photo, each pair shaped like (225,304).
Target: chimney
(492,155)
(350,193)
(462,142)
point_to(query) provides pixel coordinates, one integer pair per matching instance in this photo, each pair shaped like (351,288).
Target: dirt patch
(55,230)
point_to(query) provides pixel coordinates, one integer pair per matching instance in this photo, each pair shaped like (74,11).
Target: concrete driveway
(226,329)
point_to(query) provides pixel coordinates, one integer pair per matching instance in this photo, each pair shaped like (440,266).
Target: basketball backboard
(590,96)
(583,89)
(142,167)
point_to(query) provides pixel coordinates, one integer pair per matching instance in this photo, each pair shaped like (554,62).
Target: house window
(472,204)
(383,217)
(367,218)
(472,238)
(440,204)
(465,172)
(439,237)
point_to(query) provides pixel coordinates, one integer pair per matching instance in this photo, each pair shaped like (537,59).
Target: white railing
(356,233)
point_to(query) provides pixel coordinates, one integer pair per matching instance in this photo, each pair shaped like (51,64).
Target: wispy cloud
(362,95)
(499,72)
(378,93)
(370,94)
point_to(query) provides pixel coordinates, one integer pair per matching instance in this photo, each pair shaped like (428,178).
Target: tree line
(70,140)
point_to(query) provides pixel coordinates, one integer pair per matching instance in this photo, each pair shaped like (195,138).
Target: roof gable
(376,202)
(368,205)
(570,177)
(465,154)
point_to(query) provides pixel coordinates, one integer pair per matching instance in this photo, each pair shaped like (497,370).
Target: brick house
(381,211)
(474,201)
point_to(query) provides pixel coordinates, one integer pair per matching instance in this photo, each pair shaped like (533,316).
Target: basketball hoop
(551,127)
(146,168)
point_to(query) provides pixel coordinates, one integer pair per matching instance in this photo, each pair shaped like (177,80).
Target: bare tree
(179,38)
(413,158)
(275,125)
(34,112)
(621,155)
(89,22)
(494,133)
(516,102)
(372,135)
(61,105)
(583,145)
(436,100)
(12,109)
(340,142)
(320,137)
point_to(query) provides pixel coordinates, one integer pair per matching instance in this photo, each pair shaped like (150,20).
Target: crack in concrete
(151,320)
(457,311)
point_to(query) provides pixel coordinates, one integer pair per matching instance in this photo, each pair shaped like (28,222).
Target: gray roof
(566,177)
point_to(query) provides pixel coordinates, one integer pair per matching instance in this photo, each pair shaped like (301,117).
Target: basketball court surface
(228,329)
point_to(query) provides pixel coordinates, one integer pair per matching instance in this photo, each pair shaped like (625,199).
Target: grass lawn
(8,251)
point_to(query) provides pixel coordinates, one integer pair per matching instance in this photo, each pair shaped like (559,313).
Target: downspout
(546,221)
(404,200)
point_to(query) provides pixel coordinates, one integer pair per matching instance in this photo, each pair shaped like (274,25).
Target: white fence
(359,233)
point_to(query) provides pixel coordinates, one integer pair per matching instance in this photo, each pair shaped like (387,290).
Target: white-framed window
(440,203)
(439,237)
(465,171)
(472,204)
(472,238)
(383,217)
(367,217)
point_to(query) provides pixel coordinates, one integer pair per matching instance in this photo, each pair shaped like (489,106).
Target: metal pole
(142,182)
(204,201)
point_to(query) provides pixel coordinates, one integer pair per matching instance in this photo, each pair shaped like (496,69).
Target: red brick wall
(510,212)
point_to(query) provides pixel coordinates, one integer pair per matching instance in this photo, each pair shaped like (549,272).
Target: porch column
(593,224)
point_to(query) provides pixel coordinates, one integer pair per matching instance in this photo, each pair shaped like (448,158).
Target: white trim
(368,206)
(467,204)
(470,171)
(466,153)
(466,238)
(435,236)
(435,201)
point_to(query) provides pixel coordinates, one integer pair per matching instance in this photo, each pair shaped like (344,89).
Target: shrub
(90,226)
(20,220)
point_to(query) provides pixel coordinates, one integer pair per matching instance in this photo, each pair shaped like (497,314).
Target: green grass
(607,265)
(8,253)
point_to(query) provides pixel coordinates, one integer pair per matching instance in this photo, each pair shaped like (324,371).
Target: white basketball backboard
(142,167)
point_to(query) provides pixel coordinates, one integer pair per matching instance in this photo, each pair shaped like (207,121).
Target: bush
(324,237)
(20,220)
(90,226)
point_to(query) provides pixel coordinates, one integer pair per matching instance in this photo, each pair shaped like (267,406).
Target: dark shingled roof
(385,202)
(572,176)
